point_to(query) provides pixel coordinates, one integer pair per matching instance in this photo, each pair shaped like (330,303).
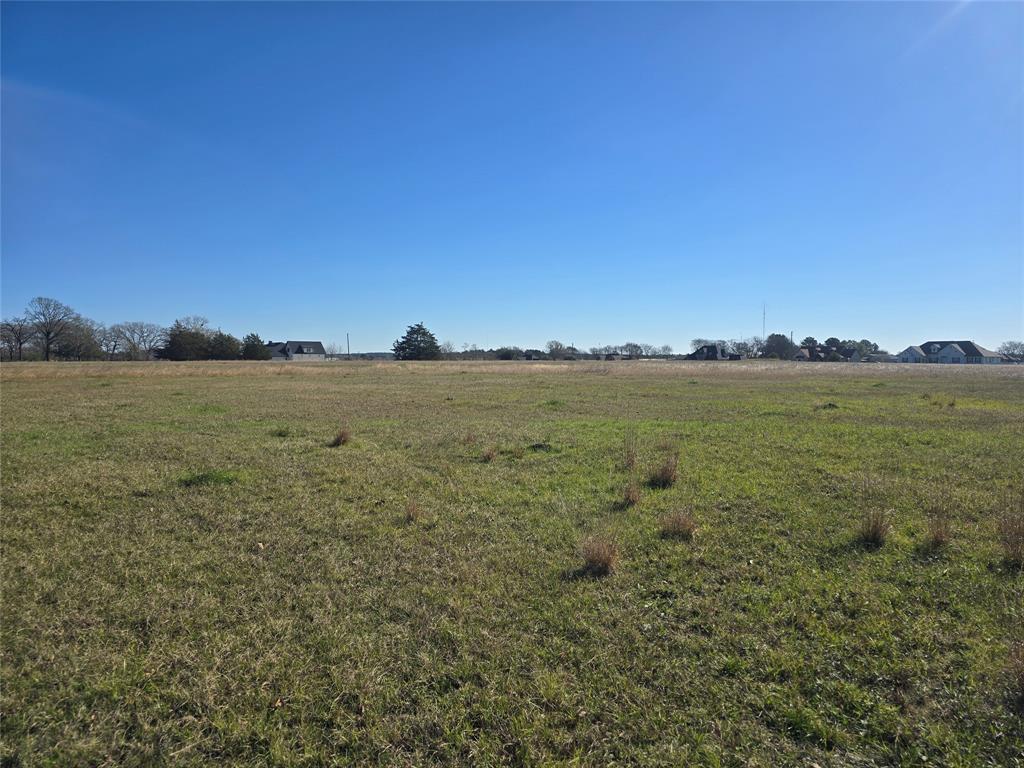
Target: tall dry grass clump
(631,494)
(489,454)
(343,437)
(665,474)
(600,555)
(413,512)
(874,527)
(678,525)
(1011,532)
(940,530)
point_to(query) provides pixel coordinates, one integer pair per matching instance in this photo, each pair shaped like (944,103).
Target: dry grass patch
(490,454)
(875,525)
(667,472)
(631,494)
(343,437)
(940,529)
(678,525)
(600,555)
(413,512)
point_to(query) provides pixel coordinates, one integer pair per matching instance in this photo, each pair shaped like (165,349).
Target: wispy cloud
(937,28)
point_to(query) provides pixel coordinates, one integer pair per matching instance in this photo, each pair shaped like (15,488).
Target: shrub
(666,473)
(343,437)
(874,527)
(600,555)
(1011,535)
(631,494)
(678,525)
(489,454)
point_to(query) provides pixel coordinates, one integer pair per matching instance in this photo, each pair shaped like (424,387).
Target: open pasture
(786,564)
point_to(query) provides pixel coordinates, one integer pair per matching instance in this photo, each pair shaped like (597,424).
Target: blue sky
(513,173)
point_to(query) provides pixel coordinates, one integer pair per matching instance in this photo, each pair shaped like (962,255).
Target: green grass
(191,576)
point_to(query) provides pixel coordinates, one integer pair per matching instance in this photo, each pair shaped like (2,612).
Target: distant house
(822,354)
(708,352)
(951,353)
(713,352)
(912,355)
(296,350)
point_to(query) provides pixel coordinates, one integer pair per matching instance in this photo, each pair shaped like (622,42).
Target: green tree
(253,348)
(417,344)
(810,341)
(833,342)
(778,345)
(185,342)
(223,346)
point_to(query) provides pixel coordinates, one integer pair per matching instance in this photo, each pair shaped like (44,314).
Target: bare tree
(665,349)
(51,320)
(110,339)
(142,339)
(556,349)
(1015,348)
(17,332)
(80,340)
(447,350)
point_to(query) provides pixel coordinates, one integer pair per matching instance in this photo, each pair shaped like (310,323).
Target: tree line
(51,330)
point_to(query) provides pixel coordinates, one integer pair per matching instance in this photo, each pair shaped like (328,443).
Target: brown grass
(342,438)
(874,527)
(600,555)
(1011,533)
(631,494)
(940,529)
(490,454)
(678,525)
(666,473)
(413,511)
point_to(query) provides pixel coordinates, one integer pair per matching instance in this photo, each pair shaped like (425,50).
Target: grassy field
(192,574)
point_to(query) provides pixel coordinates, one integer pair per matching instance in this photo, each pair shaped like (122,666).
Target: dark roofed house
(712,352)
(297,350)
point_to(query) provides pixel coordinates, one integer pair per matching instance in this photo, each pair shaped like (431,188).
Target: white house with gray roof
(951,353)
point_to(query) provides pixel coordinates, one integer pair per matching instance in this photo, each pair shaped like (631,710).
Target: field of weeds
(518,564)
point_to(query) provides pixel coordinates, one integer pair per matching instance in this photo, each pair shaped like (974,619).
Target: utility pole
(348,347)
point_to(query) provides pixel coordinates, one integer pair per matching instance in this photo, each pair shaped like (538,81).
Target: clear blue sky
(513,173)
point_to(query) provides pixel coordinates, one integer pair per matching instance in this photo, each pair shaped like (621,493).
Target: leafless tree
(51,320)
(142,339)
(556,349)
(80,340)
(111,339)
(17,332)
(1011,348)
(448,350)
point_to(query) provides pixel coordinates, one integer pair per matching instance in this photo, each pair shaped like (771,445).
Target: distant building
(296,350)
(822,354)
(951,353)
(713,352)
